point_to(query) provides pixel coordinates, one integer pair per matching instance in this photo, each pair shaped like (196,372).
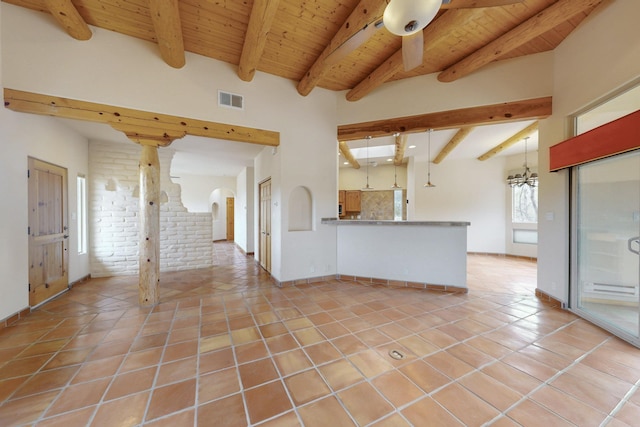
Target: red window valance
(615,137)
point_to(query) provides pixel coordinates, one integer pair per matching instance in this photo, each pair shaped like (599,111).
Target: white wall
(310,253)
(196,189)
(466,190)
(381,177)
(599,57)
(185,237)
(509,80)
(484,201)
(434,255)
(219,219)
(46,139)
(244,211)
(132,74)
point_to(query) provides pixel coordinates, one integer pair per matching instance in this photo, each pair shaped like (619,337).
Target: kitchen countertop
(337,221)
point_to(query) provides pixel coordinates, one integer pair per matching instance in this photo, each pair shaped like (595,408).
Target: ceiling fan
(407,18)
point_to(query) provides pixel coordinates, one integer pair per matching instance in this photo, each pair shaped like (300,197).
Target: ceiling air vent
(231,100)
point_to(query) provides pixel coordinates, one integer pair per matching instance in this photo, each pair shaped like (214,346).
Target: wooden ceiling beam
(401,145)
(551,17)
(366,12)
(165,15)
(453,143)
(262,15)
(475,3)
(528,109)
(145,135)
(48,105)
(68,16)
(434,33)
(510,141)
(346,152)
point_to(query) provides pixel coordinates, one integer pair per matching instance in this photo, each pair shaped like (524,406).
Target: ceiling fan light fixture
(406,17)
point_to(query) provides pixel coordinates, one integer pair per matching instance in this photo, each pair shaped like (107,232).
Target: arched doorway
(222,202)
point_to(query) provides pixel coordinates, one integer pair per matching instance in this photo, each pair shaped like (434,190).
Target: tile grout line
(611,416)
(68,384)
(372,297)
(235,360)
(455,381)
(547,382)
(365,379)
(32,375)
(198,338)
(314,367)
(270,355)
(157,374)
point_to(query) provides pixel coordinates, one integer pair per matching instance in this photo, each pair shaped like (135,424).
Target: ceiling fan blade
(412,50)
(354,42)
(467,4)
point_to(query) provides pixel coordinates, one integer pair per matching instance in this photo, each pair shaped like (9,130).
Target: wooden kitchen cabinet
(353,200)
(342,196)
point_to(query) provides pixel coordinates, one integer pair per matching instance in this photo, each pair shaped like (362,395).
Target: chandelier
(525,178)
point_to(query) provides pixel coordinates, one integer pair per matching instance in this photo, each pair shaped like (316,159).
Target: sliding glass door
(607,244)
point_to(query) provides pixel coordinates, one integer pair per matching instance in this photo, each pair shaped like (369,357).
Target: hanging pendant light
(367,187)
(429,184)
(526,178)
(406,17)
(395,177)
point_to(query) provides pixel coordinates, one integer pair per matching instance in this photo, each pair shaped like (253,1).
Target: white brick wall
(185,238)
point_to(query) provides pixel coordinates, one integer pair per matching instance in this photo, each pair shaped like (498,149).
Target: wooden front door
(230,219)
(265,225)
(48,231)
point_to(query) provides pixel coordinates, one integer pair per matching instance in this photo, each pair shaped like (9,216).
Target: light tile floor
(227,348)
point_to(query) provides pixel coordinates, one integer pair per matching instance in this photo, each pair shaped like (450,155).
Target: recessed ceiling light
(389,160)
(345,163)
(412,146)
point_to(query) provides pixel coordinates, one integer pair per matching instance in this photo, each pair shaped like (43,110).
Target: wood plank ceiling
(299,40)
(298,31)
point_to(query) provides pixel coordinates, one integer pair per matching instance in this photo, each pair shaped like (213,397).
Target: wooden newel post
(149,265)
(149,231)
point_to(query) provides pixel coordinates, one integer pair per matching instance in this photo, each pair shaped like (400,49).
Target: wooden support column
(149,230)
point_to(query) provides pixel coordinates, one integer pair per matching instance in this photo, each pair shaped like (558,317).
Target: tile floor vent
(230,100)
(395,354)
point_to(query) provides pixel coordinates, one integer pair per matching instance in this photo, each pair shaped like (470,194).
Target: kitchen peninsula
(422,254)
